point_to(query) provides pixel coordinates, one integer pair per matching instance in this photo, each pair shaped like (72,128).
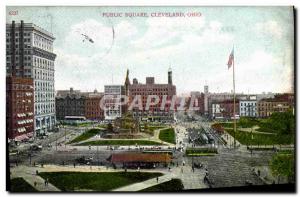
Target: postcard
(150,99)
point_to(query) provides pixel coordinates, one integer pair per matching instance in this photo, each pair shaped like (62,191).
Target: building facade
(280,103)
(70,105)
(225,109)
(216,98)
(19,108)
(248,106)
(93,110)
(198,103)
(29,53)
(75,103)
(112,101)
(165,92)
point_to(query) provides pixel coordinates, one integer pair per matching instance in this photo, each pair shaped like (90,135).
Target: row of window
(42,42)
(8,40)
(17,34)
(26,57)
(248,104)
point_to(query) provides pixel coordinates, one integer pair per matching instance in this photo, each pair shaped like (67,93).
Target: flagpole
(234,118)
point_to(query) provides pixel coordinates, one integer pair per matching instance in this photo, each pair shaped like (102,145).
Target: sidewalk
(145,184)
(28,174)
(190,179)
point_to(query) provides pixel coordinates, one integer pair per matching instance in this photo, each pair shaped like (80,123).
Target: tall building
(19,108)
(112,101)
(29,53)
(163,91)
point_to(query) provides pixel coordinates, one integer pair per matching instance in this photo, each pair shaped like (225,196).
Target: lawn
(169,186)
(167,135)
(119,143)
(92,181)
(20,185)
(86,135)
(259,139)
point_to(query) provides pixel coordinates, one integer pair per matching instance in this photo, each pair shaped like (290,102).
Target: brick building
(93,110)
(19,108)
(225,109)
(163,91)
(75,103)
(280,103)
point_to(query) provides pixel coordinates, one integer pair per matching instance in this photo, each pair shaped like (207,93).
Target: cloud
(197,50)
(269,28)
(163,30)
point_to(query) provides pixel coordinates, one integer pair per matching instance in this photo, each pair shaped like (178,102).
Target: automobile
(36,147)
(84,160)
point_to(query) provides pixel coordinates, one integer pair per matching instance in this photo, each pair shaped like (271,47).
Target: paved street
(230,167)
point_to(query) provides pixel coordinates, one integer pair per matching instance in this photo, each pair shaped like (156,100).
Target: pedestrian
(157,179)
(34,183)
(45,182)
(33,163)
(42,165)
(74,165)
(36,172)
(169,169)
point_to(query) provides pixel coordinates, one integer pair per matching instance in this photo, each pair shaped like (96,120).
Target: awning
(30,134)
(21,137)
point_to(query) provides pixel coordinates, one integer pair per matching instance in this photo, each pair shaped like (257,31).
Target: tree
(110,128)
(283,165)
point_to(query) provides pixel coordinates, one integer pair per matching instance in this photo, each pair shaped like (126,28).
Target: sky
(196,47)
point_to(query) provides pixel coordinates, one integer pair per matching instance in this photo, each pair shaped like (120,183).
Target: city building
(29,53)
(70,105)
(225,109)
(280,103)
(19,108)
(93,110)
(113,107)
(216,98)
(199,102)
(248,106)
(150,88)
(78,104)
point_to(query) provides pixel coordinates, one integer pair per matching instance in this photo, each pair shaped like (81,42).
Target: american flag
(231,59)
